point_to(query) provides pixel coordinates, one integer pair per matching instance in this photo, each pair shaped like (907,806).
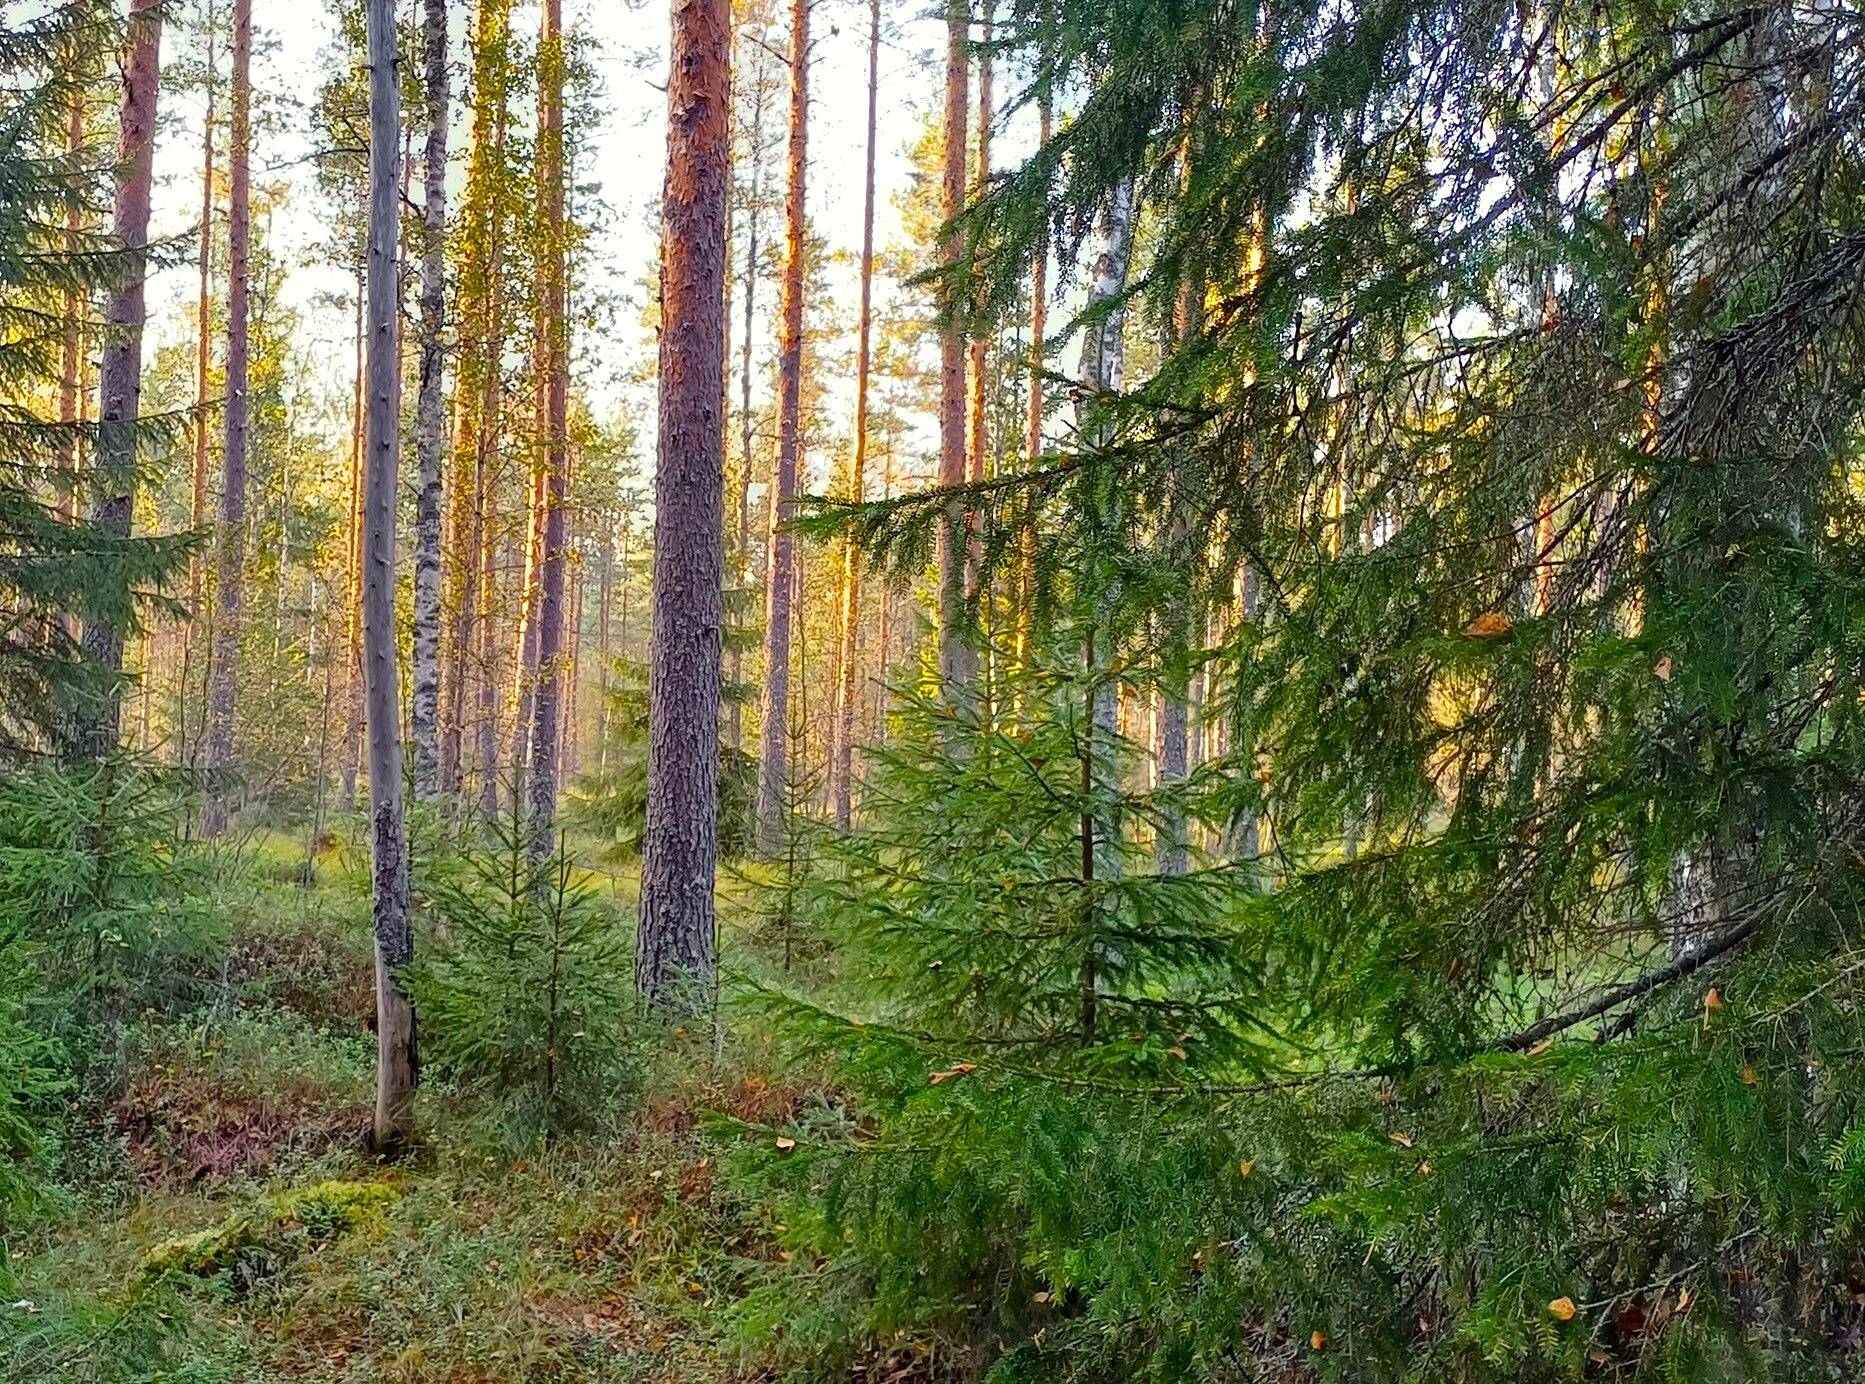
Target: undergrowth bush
(525,994)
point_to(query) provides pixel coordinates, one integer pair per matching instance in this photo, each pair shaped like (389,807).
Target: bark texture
(553,295)
(395,1032)
(424,705)
(120,379)
(842,746)
(779,570)
(184,745)
(674,957)
(468,693)
(957,659)
(230,533)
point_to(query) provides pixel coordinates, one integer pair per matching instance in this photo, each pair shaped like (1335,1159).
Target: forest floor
(592,1260)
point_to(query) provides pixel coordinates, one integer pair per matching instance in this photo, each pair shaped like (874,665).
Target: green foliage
(612,799)
(525,995)
(32,1078)
(55,570)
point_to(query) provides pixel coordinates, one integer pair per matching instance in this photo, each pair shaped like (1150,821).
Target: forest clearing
(983,692)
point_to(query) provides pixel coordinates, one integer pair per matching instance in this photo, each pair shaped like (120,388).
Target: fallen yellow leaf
(1319,1340)
(1488,625)
(1401,1138)
(1562,1309)
(785,1144)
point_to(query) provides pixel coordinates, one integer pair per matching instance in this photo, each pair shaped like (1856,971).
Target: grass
(236,1125)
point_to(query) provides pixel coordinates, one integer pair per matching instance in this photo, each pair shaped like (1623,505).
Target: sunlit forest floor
(598,1258)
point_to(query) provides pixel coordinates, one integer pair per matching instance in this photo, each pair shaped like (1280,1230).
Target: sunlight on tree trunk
(780,568)
(674,954)
(120,380)
(396,1058)
(424,707)
(230,534)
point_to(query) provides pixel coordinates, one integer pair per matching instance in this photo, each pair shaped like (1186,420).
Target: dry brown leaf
(1488,625)
(1541,1047)
(785,1144)
(1562,1309)
(1749,1076)
(1713,1000)
(956,1069)
(1401,1138)
(1245,1168)
(1662,668)
(1319,1340)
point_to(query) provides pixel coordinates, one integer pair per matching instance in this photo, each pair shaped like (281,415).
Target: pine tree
(57,563)
(674,954)
(230,533)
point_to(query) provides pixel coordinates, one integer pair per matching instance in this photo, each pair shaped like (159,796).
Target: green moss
(269,1227)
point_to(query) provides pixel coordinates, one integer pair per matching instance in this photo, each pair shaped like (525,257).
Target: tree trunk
(1033,428)
(525,643)
(1103,357)
(395,1032)
(424,710)
(120,381)
(779,571)
(230,537)
(353,586)
(957,661)
(741,530)
(553,528)
(674,958)
(184,747)
(476,395)
(979,440)
(842,749)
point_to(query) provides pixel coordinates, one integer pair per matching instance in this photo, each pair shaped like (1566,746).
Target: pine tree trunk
(957,662)
(477,397)
(604,591)
(71,363)
(779,573)
(553,525)
(842,750)
(674,958)
(230,535)
(424,710)
(120,381)
(184,746)
(1023,649)
(979,439)
(1103,357)
(353,584)
(395,1033)
(741,529)
(525,642)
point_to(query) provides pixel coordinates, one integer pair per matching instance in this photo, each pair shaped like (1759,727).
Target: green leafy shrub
(525,992)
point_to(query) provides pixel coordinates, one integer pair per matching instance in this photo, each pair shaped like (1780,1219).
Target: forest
(957,692)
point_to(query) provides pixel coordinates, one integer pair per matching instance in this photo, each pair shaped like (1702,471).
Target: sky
(293,51)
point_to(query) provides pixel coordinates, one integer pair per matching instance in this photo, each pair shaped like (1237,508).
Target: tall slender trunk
(957,661)
(604,590)
(71,363)
(741,529)
(395,1031)
(353,586)
(1033,426)
(477,398)
(230,534)
(570,752)
(841,753)
(674,956)
(553,527)
(525,641)
(487,730)
(884,636)
(184,747)
(1102,360)
(424,711)
(779,574)
(979,438)
(120,381)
